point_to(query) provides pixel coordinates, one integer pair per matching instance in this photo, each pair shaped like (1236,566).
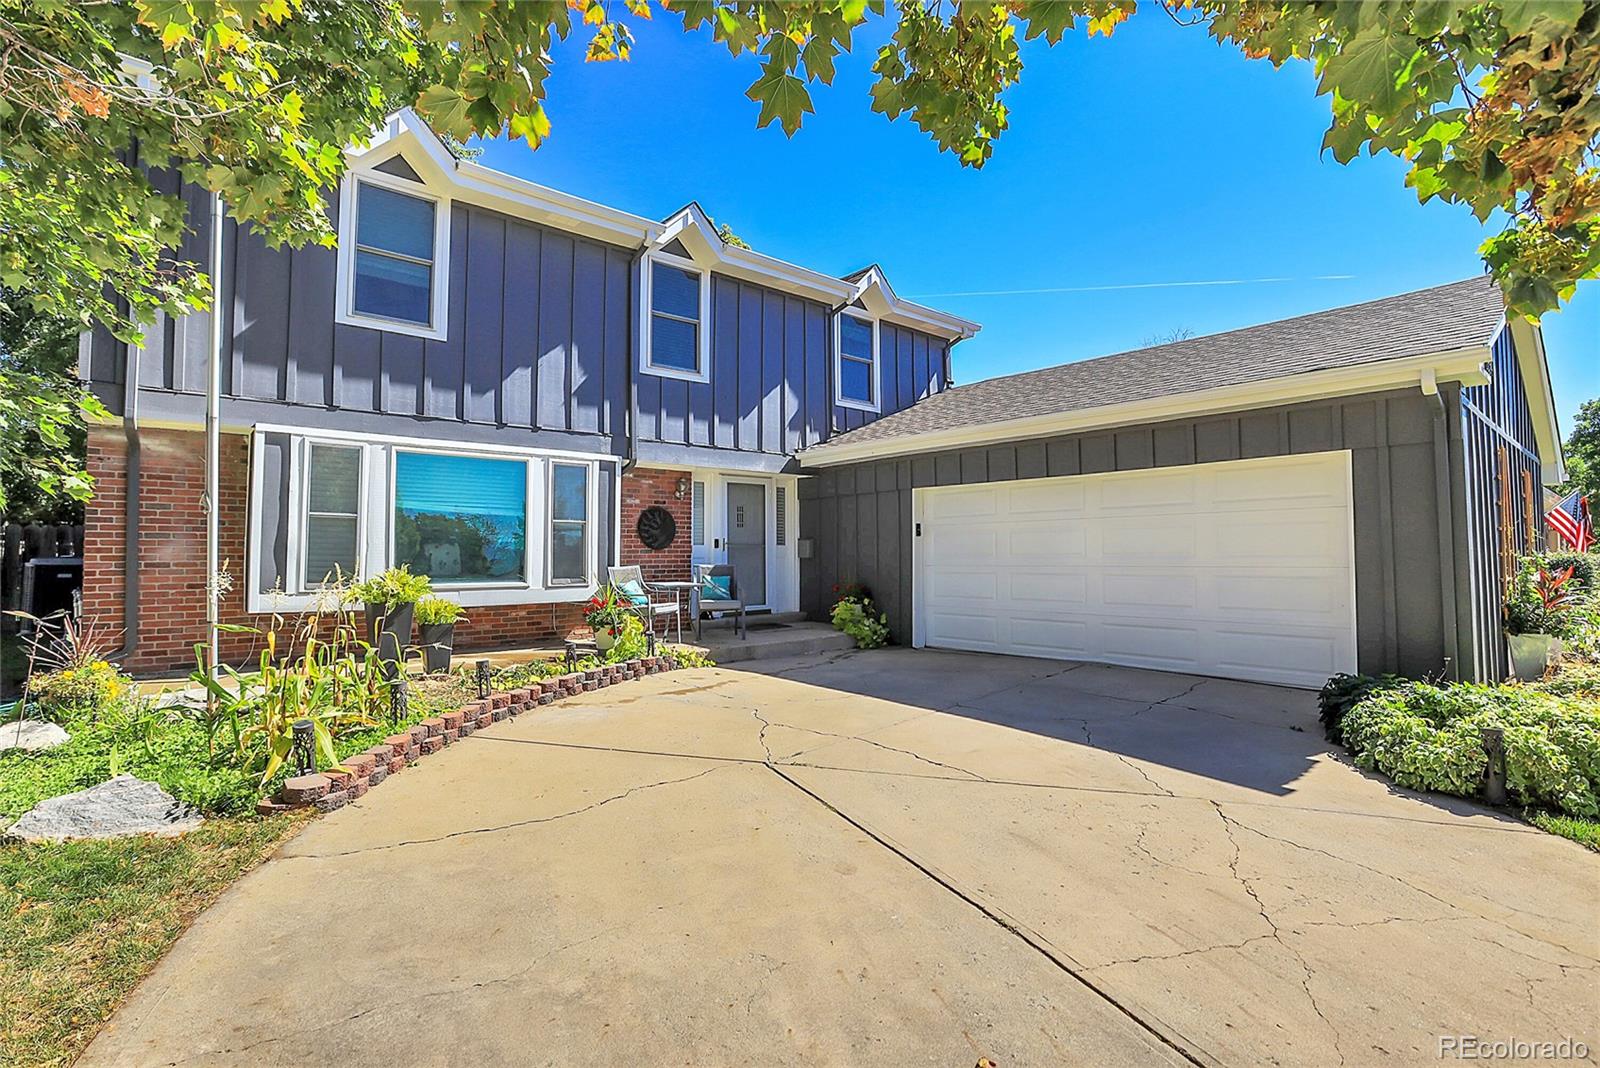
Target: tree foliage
(1491,104)
(1583,454)
(42,406)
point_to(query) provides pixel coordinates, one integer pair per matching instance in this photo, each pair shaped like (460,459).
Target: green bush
(1340,693)
(1585,568)
(855,618)
(432,611)
(393,587)
(1429,738)
(688,656)
(77,693)
(1572,678)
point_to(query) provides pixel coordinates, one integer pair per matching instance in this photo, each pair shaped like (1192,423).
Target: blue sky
(1155,157)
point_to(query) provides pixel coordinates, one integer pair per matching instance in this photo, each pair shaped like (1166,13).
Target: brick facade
(172,554)
(646,487)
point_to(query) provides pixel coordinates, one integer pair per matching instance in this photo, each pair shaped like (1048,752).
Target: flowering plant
(606,609)
(851,591)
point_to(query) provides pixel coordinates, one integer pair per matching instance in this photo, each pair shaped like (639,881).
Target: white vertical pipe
(213,439)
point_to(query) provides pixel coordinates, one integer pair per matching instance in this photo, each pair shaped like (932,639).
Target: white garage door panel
(1239,569)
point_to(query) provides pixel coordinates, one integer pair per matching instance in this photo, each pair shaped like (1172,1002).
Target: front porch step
(795,639)
(728,622)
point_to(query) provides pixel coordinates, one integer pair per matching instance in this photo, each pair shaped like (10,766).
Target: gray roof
(1455,316)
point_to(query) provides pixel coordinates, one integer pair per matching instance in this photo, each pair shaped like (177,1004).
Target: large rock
(121,806)
(31,735)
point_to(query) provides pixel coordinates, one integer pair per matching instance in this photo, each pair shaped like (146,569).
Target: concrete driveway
(888,858)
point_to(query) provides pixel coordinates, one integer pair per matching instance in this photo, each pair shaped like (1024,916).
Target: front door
(747,540)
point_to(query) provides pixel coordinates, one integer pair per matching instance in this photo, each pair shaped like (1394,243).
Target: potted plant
(1533,605)
(605,614)
(391,597)
(436,630)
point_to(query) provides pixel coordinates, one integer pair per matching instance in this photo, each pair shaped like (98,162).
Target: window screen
(855,359)
(569,524)
(333,514)
(394,257)
(675,317)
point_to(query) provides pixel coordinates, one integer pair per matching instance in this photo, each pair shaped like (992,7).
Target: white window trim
(377,519)
(839,398)
(647,314)
(300,502)
(531,577)
(590,578)
(345,290)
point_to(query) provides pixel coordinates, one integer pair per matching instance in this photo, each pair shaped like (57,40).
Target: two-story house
(490,381)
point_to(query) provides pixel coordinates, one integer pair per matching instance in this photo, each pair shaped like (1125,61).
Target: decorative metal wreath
(657,528)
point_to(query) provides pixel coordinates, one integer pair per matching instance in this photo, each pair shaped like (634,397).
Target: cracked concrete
(887,858)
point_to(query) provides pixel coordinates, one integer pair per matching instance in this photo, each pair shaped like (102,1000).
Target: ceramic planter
(438,641)
(389,629)
(605,638)
(1532,654)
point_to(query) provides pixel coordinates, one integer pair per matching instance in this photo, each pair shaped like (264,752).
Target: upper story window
(393,240)
(856,380)
(677,334)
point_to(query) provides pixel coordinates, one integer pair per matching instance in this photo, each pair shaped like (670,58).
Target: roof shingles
(1441,319)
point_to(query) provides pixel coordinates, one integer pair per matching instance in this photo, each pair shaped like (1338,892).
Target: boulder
(31,735)
(121,806)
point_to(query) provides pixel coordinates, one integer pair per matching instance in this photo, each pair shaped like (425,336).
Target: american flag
(1571,520)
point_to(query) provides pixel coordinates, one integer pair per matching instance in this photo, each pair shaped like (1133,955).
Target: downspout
(214,442)
(1444,506)
(630,458)
(130,504)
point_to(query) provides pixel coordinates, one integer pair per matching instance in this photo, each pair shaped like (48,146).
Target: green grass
(1584,832)
(82,922)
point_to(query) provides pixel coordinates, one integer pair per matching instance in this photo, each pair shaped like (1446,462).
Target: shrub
(395,586)
(688,656)
(1585,568)
(1572,679)
(855,618)
(432,611)
(1429,738)
(77,693)
(1340,693)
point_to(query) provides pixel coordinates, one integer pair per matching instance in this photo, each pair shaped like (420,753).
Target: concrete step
(795,639)
(728,622)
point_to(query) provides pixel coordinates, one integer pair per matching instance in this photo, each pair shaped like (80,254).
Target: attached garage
(1241,570)
(1343,491)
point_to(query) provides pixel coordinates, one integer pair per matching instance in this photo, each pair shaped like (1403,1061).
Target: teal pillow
(717,588)
(634,592)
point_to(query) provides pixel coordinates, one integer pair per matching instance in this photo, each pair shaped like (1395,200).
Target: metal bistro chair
(699,602)
(651,602)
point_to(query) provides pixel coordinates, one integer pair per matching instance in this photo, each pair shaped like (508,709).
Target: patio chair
(648,601)
(700,602)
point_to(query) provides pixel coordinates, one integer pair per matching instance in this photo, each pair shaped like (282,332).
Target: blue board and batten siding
(541,332)
(1496,444)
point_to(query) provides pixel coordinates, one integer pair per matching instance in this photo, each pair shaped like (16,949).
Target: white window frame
(438,327)
(376,522)
(550,521)
(530,576)
(300,501)
(647,315)
(839,357)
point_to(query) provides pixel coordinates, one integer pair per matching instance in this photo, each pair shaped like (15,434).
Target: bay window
(492,526)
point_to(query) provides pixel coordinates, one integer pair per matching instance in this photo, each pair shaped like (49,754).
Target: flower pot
(438,641)
(605,638)
(1532,654)
(389,629)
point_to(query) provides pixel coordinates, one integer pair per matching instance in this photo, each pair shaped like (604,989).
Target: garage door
(1243,570)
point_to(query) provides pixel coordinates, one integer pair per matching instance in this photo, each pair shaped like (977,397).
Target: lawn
(82,922)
